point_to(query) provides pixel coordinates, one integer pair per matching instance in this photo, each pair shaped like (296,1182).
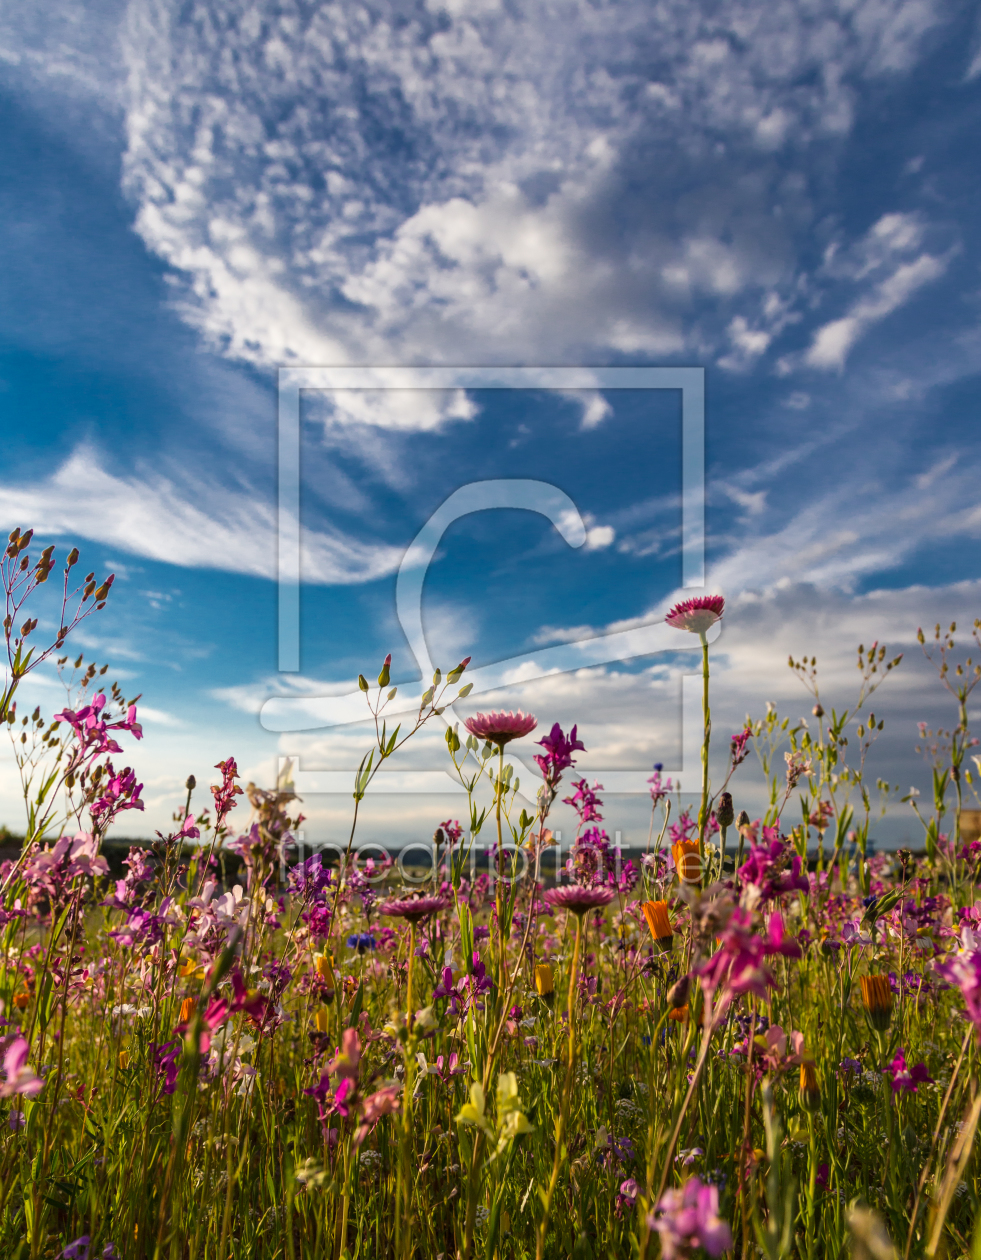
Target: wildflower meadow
(759,1038)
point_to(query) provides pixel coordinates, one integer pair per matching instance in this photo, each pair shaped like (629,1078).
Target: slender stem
(566,1092)
(706,736)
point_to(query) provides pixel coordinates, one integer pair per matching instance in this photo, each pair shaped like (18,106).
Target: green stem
(566,1092)
(706,736)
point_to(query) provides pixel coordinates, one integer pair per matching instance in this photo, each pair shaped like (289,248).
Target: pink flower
(698,614)
(777,941)
(20,1079)
(688,1219)
(347,1060)
(963,971)
(500,728)
(559,753)
(578,899)
(903,1079)
(413,908)
(738,963)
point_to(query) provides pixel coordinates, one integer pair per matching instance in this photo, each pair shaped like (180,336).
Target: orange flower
(810,1090)
(877,1000)
(187,1009)
(679,1013)
(22,1000)
(656,914)
(686,860)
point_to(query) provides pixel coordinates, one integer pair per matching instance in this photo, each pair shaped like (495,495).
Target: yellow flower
(544,981)
(124,1058)
(473,1112)
(323,966)
(323,1020)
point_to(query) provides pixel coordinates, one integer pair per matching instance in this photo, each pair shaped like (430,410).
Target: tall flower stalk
(698,616)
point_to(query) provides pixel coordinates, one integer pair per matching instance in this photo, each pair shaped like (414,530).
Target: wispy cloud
(151,515)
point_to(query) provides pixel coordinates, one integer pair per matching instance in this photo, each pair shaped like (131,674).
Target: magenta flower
(20,1079)
(903,1079)
(737,966)
(659,788)
(698,614)
(738,750)
(688,1219)
(559,753)
(963,971)
(413,908)
(777,941)
(578,899)
(500,728)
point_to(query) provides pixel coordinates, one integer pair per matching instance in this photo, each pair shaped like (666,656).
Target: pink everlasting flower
(500,728)
(20,1079)
(698,614)
(413,908)
(578,899)
(688,1219)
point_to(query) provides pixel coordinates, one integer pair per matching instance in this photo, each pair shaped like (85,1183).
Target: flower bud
(191,783)
(724,812)
(743,820)
(810,1090)
(545,982)
(362,682)
(678,993)
(877,1000)
(385,676)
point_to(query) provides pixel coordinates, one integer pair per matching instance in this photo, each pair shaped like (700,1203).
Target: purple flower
(627,1196)
(738,963)
(167,1058)
(903,1079)
(688,1219)
(579,899)
(659,788)
(77,1250)
(16,1120)
(738,750)
(310,878)
(559,752)
(586,802)
(698,614)
(500,728)
(413,908)
(963,971)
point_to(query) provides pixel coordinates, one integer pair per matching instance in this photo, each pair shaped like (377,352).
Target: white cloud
(152,515)
(882,256)
(338,186)
(599,537)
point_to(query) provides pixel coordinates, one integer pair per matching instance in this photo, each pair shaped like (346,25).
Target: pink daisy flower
(414,908)
(500,728)
(697,614)
(578,899)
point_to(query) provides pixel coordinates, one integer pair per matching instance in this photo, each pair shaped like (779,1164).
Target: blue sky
(195,195)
